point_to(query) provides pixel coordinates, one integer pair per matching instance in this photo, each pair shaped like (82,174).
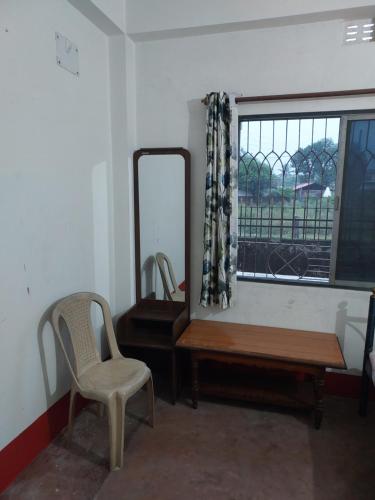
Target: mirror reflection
(161,184)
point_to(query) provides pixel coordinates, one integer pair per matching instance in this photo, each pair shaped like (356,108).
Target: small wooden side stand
(154,325)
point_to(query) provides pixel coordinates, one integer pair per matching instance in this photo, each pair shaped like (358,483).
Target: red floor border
(24,448)
(346,386)
(20,452)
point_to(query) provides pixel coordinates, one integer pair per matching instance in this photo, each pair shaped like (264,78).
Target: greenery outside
(271,207)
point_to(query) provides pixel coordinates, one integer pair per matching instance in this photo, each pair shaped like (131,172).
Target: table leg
(365,386)
(319,390)
(194,380)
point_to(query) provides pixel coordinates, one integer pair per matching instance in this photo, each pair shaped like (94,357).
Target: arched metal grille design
(286,188)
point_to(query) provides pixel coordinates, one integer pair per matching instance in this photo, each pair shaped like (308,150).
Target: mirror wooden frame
(152,325)
(186,156)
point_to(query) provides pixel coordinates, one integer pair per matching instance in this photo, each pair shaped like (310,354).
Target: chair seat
(123,375)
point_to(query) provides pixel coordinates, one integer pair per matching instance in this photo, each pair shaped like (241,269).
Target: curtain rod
(307,95)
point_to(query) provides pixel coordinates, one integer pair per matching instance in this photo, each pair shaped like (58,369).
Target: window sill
(311,284)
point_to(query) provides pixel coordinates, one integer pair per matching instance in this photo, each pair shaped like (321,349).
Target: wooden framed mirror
(162,224)
(162,256)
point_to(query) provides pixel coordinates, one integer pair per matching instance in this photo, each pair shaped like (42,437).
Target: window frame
(343,147)
(345,116)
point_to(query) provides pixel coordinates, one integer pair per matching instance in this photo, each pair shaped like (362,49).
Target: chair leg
(151,401)
(365,385)
(73,393)
(116,417)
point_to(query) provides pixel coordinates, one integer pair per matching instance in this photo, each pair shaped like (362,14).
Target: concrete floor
(222,451)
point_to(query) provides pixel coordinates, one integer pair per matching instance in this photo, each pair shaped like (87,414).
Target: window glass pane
(356,243)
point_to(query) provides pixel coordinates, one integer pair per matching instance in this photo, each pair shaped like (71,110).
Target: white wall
(114,10)
(172,77)
(55,194)
(107,15)
(171,18)
(121,110)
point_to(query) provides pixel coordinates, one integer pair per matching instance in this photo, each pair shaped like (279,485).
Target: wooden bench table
(275,349)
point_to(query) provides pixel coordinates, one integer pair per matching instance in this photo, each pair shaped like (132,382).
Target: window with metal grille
(306,199)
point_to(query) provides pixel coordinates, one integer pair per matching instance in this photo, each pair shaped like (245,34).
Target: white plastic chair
(110,382)
(175,294)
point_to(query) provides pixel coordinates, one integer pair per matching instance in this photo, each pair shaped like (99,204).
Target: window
(306,199)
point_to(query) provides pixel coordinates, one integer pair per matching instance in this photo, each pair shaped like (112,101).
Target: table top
(300,346)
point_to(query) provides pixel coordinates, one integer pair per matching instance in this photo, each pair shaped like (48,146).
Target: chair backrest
(163,259)
(75,310)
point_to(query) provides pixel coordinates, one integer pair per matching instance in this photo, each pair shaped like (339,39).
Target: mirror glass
(161,186)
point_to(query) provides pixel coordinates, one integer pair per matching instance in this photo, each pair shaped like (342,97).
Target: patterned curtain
(220,241)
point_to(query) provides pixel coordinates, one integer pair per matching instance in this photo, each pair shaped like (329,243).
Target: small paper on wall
(67,55)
